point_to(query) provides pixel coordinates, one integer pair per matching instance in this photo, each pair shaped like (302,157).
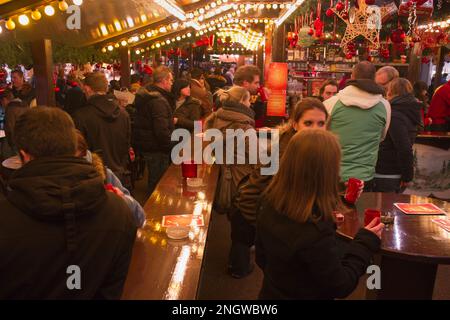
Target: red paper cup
(353,187)
(370,215)
(189,169)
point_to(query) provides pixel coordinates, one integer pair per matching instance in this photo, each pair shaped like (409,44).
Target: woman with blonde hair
(395,165)
(296,239)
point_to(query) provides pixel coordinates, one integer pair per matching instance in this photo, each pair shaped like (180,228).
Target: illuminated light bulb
(168,41)
(24,20)
(158,45)
(149,34)
(62,5)
(36,15)
(117,45)
(123,43)
(201,11)
(282,6)
(246,21)
(268,6)
(110,48)
(78,2)
(49,10)
(175,26)
(153,46)
(138,51)
(130,22)
(287,5)
(266,21)
(135,39)
(196,13)
(143,18)
(261,6)
(224,1)
(162,30)
(275,6)
(213,5)
(178,38)
(103,29)
(189,35)
(117,25)
(201,33)
(10,25)
(142,36)
(173,40)
(104,50)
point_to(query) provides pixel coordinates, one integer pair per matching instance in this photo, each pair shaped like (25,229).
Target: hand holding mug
(376,227)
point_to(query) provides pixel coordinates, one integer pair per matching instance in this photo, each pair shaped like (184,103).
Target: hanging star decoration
(363,21)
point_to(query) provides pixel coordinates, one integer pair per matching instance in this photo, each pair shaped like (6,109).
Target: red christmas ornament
(318,27)
(311,32)
(329,13)
(345,15)
(340,6)
(348,56)
(398,35)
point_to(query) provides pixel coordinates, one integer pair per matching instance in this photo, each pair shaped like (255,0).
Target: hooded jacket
(234,116)
(58,214)
(153,125)
(107,130)
(439,110)
(360,117)
(301,260)
(395,156)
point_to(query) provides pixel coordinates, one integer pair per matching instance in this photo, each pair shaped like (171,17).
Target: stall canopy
(129,23)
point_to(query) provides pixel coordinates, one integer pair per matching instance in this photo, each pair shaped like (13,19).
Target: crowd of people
(70,203)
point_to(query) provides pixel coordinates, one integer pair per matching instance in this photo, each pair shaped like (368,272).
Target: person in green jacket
(360,117)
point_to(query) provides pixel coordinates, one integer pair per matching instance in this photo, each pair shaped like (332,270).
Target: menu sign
(277,85)
(185,220)
(419,209)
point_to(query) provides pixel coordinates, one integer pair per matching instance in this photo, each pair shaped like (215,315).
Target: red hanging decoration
(339,6)
(318,24)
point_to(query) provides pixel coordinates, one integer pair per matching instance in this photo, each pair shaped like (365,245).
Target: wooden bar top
(411,237)
(434,134)
(165,269)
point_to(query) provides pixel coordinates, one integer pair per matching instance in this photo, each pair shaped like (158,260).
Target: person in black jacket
(395,165)
(14,109)
(296,233)
(105,126)
(154,124)
(63,235)
(188,109)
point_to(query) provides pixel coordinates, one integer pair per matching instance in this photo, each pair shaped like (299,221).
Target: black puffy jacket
(153,124)
(58,214)
(395,155)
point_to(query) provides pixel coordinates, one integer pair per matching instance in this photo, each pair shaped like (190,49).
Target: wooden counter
(165,269)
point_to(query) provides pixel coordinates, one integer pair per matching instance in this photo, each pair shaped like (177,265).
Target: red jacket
(440,105)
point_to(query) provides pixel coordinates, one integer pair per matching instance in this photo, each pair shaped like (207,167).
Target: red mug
(189,169)
(353,187)
(370,215)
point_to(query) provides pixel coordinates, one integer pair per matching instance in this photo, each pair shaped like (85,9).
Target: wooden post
(278,46)
(260,59)
(125,72)
(415,63)
(41,51)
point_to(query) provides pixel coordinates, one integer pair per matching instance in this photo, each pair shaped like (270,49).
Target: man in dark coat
(154,124)
(105,125)
(14,108)
(63,235)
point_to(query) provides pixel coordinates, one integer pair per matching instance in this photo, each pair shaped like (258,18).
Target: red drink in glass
(370,215)
(189,169)
(353,187)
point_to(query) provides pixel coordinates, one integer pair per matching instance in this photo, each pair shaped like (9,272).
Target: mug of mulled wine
(189,169)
